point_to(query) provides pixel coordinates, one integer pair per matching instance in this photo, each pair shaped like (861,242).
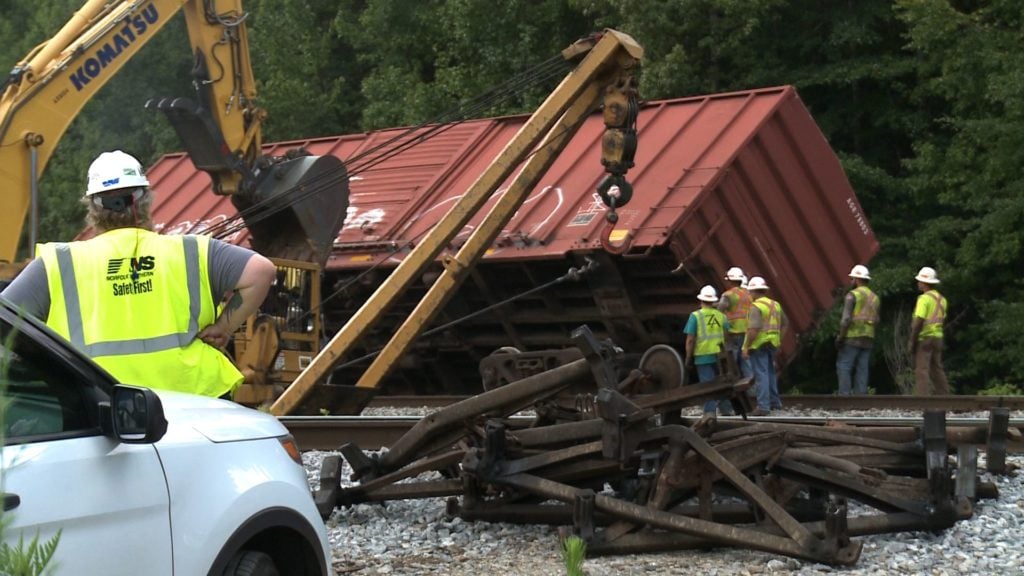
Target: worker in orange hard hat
(856,333)
(926,335)
(735,304)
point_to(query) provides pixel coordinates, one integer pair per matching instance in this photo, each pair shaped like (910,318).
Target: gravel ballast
(415,537)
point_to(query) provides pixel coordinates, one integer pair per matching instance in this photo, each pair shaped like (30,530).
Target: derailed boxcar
(740,179)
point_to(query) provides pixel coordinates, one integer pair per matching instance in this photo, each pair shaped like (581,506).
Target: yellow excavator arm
(220,128)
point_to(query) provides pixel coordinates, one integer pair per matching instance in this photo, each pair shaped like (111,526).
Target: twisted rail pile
(626,473)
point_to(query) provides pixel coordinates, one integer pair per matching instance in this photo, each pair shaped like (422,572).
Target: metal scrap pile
(620,467)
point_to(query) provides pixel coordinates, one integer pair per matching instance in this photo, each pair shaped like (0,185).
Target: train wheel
(664,369)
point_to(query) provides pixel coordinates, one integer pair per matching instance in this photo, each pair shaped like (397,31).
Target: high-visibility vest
(932,326)
(739,307)
(771,323)
(134,301)
(865,313)
(710,331)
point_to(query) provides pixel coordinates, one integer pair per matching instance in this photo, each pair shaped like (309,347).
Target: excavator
(293,205)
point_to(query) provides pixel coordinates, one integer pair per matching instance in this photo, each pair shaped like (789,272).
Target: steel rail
(952,403)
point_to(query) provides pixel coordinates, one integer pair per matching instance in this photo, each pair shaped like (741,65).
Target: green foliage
(306,74)
(574,551)
(32,559)
(1002,390)
(965,178)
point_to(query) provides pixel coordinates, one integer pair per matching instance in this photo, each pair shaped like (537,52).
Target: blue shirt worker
(144,306)
(705,338)
(766,326)
(856,335)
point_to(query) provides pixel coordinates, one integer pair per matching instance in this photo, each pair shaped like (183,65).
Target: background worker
(926,333)
(856,333)
(705,337)
(735,304)
(143,305)
(766,326)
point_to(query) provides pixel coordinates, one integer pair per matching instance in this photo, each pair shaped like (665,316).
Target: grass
(574,551)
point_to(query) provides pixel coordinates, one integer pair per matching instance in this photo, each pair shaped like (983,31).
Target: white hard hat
(757,283)
(927,275)
(860,271)
(735,274)
(708,294)
(113,171)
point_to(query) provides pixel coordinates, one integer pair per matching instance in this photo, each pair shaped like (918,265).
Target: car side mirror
(137,415)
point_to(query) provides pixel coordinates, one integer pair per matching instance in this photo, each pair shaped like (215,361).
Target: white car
(143,482)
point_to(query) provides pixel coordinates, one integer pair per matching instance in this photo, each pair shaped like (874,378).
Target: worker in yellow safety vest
(766,326)
(926,336)
(705,336)
(144,305)
(856,335)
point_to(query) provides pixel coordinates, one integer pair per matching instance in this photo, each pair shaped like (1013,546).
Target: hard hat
(113,171)
(927,275)
(735,274)
(708,294)
(860,271)
(757,283)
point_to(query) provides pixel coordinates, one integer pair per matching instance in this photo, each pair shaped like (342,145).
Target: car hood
(217,420)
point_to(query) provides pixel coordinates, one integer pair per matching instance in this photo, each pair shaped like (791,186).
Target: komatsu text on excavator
(293,205)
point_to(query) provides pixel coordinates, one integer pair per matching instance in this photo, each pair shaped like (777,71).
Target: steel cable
(364,161)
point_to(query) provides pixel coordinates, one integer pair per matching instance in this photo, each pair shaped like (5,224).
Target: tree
(965,175)
(307,75)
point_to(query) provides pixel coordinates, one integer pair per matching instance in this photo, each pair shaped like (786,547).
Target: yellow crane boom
(604,74)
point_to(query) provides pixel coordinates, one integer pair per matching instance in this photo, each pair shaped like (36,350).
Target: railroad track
(374,432)
(951,403)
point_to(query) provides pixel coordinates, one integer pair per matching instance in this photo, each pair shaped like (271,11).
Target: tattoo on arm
(232,304)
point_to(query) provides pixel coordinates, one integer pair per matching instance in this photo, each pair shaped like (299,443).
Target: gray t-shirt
(849,303)
(756,321)
(225,263)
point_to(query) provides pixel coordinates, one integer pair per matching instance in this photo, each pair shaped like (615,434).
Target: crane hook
(614,193)
(606,240)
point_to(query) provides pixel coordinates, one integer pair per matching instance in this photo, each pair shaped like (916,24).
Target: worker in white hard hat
(856,335)
(142,305)
(735,304)
(705,337)
(766,327)
(926,336)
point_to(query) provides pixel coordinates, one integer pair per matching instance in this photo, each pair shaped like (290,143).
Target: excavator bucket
(297,208)
(294,205)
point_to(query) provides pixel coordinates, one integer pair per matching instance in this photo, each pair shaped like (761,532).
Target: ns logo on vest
(137,264)
(128,284)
